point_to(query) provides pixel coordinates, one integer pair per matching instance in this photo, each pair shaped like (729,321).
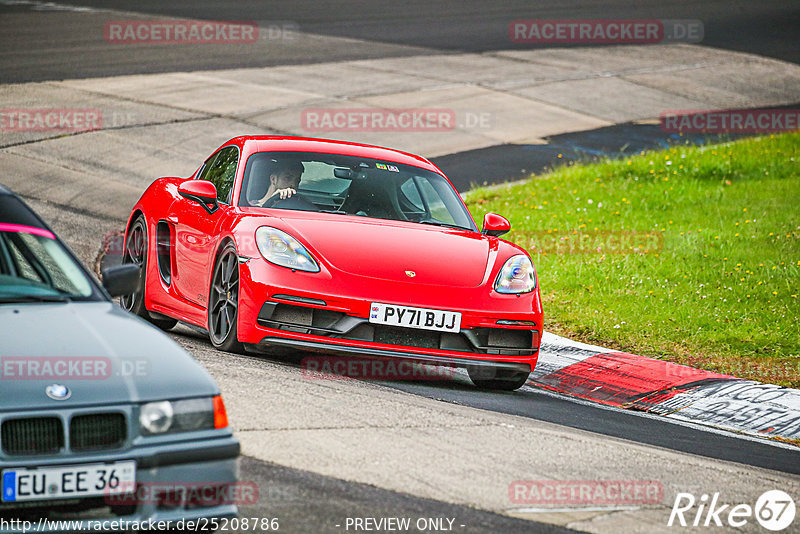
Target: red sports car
(335,247)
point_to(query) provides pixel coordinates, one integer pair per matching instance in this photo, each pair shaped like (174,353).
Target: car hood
(387,249)
(100,352)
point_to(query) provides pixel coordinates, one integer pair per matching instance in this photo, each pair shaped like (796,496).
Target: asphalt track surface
(648,429)
(544,406)
(474,26)
(307,502)
(61,45)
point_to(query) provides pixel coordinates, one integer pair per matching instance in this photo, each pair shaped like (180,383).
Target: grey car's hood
(101,353)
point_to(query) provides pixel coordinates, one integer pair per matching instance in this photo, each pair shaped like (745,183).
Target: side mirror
(495,225)
(201,191)
(121,280)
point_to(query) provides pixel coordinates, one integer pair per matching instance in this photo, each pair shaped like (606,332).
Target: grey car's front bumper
(194,463)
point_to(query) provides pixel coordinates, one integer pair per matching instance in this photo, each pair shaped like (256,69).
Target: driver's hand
(286,193)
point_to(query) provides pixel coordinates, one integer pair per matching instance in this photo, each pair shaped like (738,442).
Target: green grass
(715,280)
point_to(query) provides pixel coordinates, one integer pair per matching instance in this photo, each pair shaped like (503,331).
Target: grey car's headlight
(282,249)
(177,416)
(516,276)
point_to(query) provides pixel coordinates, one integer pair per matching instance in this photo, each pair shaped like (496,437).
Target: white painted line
(553,339)
(571,510)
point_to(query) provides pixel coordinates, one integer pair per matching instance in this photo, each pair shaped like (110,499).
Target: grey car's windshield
(351,185)
(34,266)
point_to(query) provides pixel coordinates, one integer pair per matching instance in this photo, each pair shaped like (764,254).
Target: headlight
(156,417)
(516,276)
(282,249)
(182,415)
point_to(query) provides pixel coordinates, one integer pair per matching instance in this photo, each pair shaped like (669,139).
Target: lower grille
(97,431)
(409,337)
(34,435)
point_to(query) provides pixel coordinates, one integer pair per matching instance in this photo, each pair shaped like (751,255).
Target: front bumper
(163,470)
(328,312)
(144,515)
(291,316)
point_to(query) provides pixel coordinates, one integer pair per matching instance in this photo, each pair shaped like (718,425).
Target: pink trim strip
(8,227)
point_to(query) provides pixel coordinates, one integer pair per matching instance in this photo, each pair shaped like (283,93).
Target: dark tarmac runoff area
(503,163)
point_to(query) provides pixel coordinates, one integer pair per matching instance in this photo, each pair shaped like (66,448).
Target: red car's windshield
(351,185)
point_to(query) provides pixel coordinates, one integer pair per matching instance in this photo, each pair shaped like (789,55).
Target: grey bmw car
(105,422)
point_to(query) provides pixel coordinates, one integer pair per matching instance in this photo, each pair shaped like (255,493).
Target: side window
(24,268)
(45,253)
(221,170)
(422,195)
(409,189)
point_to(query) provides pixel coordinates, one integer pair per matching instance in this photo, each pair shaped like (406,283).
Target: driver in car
(284,179)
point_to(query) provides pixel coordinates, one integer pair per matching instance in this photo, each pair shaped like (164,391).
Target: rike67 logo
(774,510)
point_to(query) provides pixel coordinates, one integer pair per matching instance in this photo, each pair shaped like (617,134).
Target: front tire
(497,379)
(136,247)
(223,302)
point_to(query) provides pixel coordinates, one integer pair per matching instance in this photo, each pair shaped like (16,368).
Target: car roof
(40,223)
(5,191)
(280,143)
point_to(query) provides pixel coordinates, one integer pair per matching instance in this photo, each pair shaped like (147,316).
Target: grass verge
(690,254)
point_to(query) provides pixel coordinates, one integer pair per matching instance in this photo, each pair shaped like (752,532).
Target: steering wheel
(271,201)
(294,202)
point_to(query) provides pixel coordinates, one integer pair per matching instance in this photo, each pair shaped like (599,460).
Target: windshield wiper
(34,298)
(444,224)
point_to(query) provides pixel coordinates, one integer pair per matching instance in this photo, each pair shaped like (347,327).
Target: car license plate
(59,482)
(410,317)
